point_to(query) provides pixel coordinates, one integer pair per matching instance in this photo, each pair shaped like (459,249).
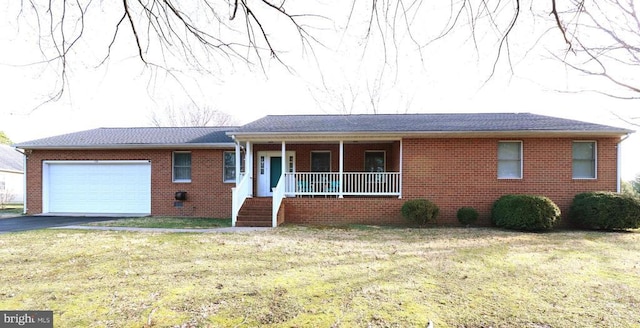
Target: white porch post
(284,158)
(237,163)
(248,165)
(340,176)
(400,169)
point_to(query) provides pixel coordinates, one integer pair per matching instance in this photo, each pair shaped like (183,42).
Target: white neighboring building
(11,175)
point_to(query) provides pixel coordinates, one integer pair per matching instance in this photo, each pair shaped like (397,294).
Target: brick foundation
(320,210)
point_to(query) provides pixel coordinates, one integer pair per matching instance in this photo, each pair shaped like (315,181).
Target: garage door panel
(99,188)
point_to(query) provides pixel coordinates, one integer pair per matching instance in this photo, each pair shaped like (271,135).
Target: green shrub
(605,211)
(420,211)
(525,212)
(467,215)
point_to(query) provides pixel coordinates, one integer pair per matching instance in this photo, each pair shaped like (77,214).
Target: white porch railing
(238,195)
(278,195)
(353,184)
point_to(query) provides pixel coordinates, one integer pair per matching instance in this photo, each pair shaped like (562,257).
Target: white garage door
(104,187)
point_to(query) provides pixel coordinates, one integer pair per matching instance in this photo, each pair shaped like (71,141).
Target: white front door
(270,169)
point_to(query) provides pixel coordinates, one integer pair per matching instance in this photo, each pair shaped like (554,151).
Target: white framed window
(584,159)
(291,164)
(374,161)
(510,160)
(229,169)
(320,161)
(181,166)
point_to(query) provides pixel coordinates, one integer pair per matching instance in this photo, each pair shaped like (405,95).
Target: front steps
(255,212)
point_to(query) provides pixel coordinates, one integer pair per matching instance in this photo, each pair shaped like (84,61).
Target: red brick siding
(460,172)
(463,172)
(207,194)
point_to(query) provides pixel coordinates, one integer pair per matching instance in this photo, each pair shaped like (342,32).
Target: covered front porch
(315,169)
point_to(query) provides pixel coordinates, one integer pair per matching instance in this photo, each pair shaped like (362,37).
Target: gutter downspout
(619,163)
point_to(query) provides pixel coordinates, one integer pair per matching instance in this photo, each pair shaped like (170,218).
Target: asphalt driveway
(24,223)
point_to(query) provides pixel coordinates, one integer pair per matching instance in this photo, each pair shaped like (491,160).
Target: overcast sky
(449,77)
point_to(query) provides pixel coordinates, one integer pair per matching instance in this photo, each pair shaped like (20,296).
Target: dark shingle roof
(386,123)
(130,137)
(10,159)
(322,125)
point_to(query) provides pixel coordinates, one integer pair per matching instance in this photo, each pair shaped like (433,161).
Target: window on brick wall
(374,161)
(229,170)
(510,160)
(181,166)
(584,160)
(320,161)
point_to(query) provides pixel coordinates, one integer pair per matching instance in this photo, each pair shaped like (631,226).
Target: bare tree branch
(127,14)
(192,115)
(554,12)
(601,38)
(166,34)
(605,37)
(629,121)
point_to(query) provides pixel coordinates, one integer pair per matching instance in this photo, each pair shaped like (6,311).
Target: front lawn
(306,277)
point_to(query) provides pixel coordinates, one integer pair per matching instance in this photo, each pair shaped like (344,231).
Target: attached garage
(96,187)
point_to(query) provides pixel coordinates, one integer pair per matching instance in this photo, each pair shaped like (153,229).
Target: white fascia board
(315,137)
(226,145)
(517,133)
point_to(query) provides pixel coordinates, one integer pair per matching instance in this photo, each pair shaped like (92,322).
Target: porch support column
(284,158)
(237,163)
(341,175)
(248,165)
(400,169)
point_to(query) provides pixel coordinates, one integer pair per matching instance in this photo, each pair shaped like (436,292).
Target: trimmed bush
(605,211)
(467,215)
(525,212)
(420,211)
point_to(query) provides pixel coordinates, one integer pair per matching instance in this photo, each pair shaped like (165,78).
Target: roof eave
(378,135)
(221,145)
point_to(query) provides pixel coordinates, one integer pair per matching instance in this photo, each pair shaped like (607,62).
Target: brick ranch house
(322,169)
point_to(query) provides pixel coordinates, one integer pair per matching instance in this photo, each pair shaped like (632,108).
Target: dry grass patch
(166,223)
(11,208)
(300,277)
